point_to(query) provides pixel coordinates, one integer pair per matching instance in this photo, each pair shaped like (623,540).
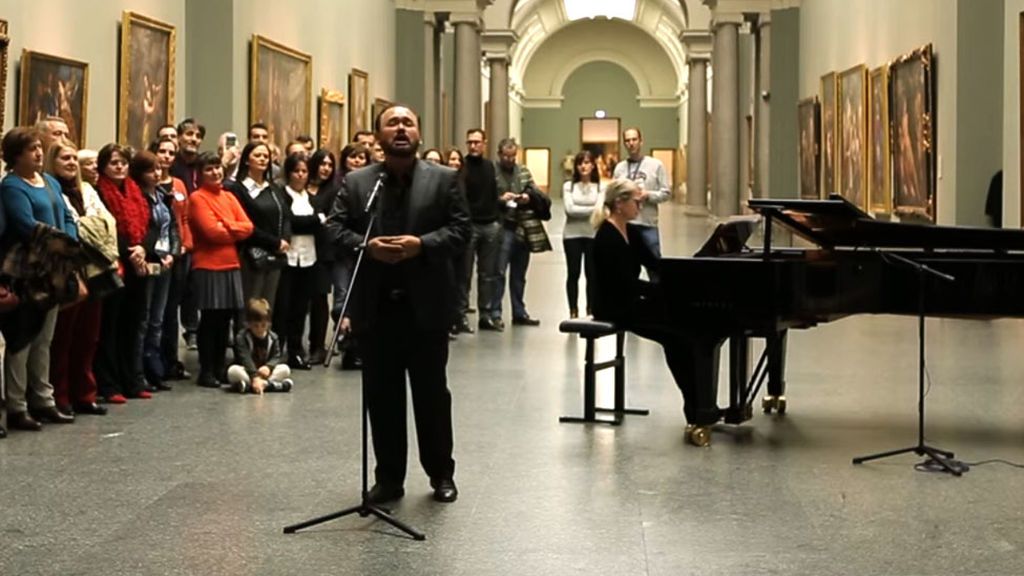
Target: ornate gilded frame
(358,101)
(126,98)
(852,130)
(278,135)
(29,59)
(879,181)
(5,41)
(915,69)
(331,98)
(808,115)
(829,135)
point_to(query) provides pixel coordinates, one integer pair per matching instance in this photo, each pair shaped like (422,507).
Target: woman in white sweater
(580,196)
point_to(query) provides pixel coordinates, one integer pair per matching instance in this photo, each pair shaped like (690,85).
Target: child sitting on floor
(258,366)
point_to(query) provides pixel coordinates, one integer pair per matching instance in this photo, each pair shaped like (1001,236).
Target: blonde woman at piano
(621,297)
(580,196)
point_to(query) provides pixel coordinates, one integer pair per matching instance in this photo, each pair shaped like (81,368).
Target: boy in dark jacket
(258,366)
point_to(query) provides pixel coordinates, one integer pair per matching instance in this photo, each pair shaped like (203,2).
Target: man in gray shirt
(649,174)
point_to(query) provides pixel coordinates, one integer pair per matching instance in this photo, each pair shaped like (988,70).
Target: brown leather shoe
(22,421)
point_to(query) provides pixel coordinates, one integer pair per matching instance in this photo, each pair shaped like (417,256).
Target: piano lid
(837,223)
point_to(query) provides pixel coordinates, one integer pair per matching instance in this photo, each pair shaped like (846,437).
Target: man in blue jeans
(649,174)
(524,208)
(479,183)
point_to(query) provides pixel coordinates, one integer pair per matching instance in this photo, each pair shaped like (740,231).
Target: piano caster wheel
(698,435)
(777,403)
(780,405)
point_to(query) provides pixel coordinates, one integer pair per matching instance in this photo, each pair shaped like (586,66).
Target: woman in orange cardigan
(218,223)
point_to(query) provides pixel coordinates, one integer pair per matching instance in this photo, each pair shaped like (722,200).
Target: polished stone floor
(199,482)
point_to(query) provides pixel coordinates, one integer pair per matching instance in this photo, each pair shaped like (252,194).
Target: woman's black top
(270,212)
(617,264)
(323,202)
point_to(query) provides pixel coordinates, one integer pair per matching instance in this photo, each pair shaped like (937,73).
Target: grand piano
(854,264)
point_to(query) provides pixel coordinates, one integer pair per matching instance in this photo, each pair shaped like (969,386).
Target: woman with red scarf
(118,365)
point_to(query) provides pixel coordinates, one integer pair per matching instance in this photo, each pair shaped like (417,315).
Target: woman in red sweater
(218,223)
(118,363)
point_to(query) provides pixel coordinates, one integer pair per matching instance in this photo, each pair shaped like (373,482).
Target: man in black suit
(404,300)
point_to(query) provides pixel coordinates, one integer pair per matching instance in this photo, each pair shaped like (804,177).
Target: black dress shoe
(525,321)
(51,415)
(351,361)
(299,363)
(492,324)
(317,356)
(381,493)
(207,381)
(445,490)
(22,421)
(462,326)
(177,372)
(3,433)
(66,409)
(90,408)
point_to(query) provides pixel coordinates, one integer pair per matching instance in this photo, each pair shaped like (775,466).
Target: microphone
(382,178)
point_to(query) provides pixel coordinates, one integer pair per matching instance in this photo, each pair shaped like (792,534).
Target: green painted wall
(593,86)
(785,73)
(979,102)
(409,79)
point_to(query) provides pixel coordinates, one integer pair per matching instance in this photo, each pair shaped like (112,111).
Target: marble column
(430,123)
(498,103)
(762,167)
(468,93)
(697,137)
(725,121)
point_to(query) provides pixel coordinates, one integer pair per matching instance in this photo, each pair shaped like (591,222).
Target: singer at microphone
(404,298)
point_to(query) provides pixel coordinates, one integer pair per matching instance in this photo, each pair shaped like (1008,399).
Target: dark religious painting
(146,97)
(809,118)
(600,136)
(852,113)
(379,104)
(911,121)
(54,86)
(879,167)
(829,141)
(358,102)
(332,120)
(281,91)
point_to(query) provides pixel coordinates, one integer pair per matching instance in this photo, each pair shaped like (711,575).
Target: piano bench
(590,331)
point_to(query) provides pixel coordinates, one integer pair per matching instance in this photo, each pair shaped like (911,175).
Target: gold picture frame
(332,120)
(281,90)
(879,162)
(809,147)
(829,135)
(5,42)
(54,86)
(852,129)
(379,104)
(146,92)
(911,121)
(358,102)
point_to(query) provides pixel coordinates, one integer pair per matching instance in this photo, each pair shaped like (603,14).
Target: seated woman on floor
(620,296)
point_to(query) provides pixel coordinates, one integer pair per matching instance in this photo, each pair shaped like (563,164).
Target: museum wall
(835,37)
(212,50)
(89,32)
(1011,131)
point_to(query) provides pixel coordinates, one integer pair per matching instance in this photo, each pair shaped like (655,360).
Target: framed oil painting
(379,104)
(281,90)
(852,116)
(879,168)
(600,136)
(829,140)
(146,95)
(808,115)
(911,116)
(54,86)
(332,120)
(358,102)
(5,41)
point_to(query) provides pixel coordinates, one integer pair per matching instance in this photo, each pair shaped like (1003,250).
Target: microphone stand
(940,457)
(365,507)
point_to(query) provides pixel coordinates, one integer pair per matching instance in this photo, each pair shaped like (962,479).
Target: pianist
(636,305)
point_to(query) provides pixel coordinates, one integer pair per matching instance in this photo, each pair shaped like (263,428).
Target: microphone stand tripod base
(363,510)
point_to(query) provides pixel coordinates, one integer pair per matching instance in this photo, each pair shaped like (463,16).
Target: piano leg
(739,380)
(776,397)
(694,366)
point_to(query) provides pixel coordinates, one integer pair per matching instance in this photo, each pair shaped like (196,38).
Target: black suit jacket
(435,211)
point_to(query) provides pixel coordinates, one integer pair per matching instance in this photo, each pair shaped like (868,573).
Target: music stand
(365,507)
(940,457)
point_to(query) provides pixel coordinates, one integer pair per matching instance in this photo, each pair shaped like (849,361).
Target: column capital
(497,44)
(734,11)
(466,18)
(764,19)
(698,44)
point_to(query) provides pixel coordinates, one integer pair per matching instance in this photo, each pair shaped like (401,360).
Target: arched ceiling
(618,41)
(536,22)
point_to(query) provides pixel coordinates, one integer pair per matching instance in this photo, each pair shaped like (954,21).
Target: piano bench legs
(590,370)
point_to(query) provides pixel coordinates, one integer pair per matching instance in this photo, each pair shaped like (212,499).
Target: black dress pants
(393,349)
(116,366)
(294,292)
(212,336)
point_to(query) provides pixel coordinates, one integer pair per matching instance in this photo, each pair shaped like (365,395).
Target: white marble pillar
(697,137)
(430,125)
(762,166)
(468,93)
(725,121)
(498,103)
